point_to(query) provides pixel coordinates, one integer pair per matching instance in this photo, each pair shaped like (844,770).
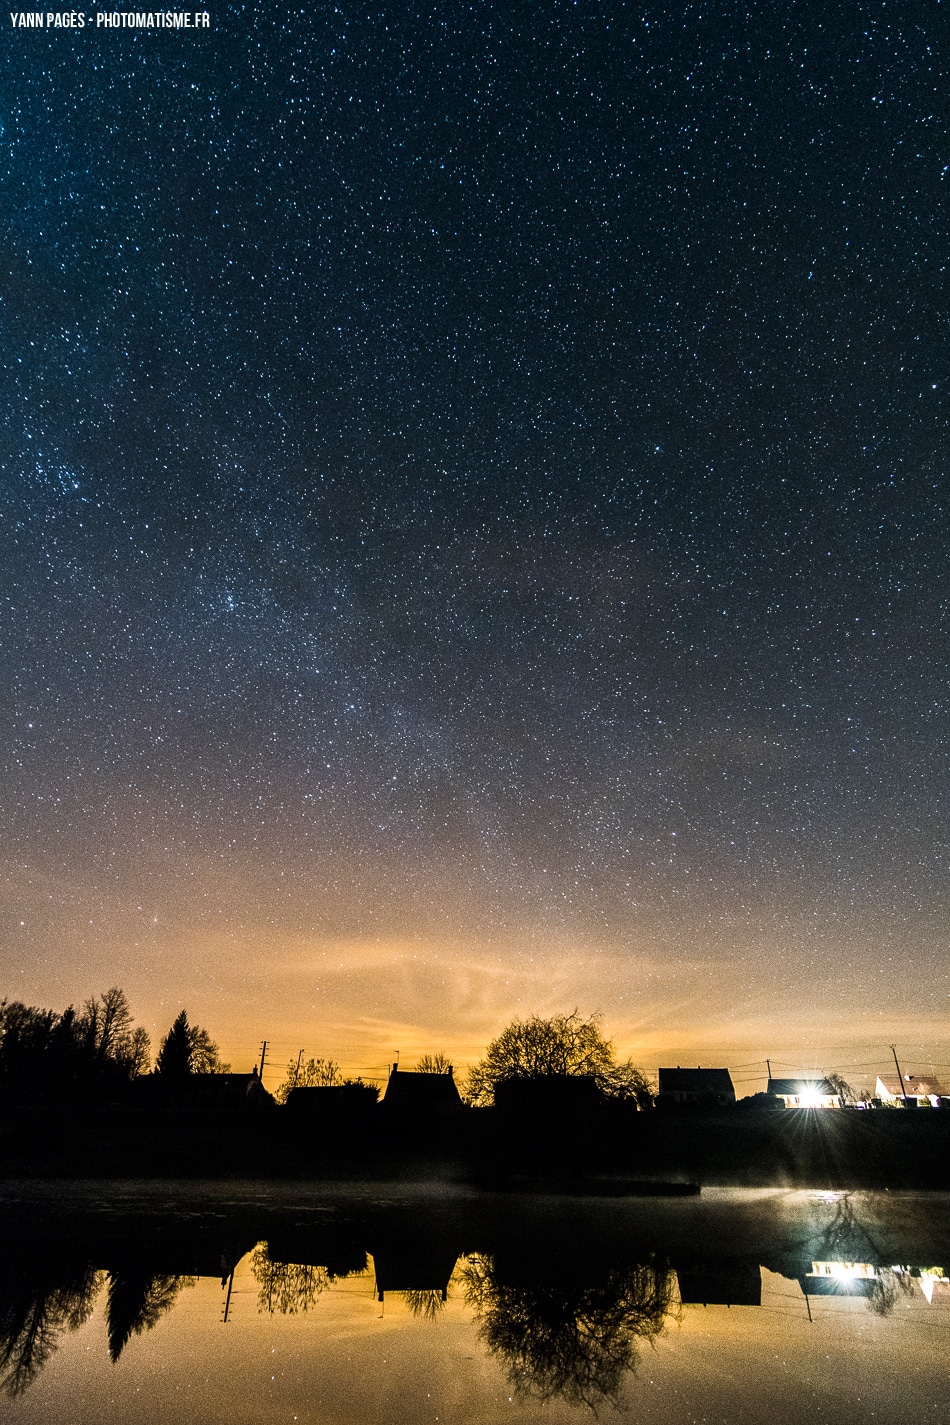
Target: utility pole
(297,1070)
(900,1076)
(260,1072)
(768,1065)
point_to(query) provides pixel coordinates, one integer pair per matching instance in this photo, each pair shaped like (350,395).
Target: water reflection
(35,1311)
(563,1296)
(38,1307)
(566,1338)
(426,1302)
(137,1301)
(416,1258)
(286,1287)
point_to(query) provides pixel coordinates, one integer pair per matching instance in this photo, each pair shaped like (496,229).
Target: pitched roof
(411,1092)
(914,1084)
(801,1086)
(697,1081)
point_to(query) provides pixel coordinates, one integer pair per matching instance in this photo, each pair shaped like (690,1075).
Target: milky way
(475,516)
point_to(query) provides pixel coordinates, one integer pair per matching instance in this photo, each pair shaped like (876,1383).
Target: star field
(475,523)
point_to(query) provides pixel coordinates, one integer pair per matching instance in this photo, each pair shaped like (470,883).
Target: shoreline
(842,1150)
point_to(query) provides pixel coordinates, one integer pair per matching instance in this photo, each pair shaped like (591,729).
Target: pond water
(260,1303)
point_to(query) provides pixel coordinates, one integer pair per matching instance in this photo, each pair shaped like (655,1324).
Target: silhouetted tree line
(90,1053)
(94,1053)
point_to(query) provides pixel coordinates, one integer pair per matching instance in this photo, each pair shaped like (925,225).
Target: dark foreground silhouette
(615,1150)
(77,1099)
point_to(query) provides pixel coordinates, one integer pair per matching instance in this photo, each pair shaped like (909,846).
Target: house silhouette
(696,1086)
(414,1096)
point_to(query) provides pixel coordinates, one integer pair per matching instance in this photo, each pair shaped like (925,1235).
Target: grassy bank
(871,1149)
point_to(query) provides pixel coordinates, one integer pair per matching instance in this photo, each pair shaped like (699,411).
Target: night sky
(474,526)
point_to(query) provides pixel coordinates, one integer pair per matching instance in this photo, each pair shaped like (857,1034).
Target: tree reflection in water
(425,1303)
(286,1287)
(888,1286)
(137,1302)
(570,1341)
(34,1314)
(846,1238)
